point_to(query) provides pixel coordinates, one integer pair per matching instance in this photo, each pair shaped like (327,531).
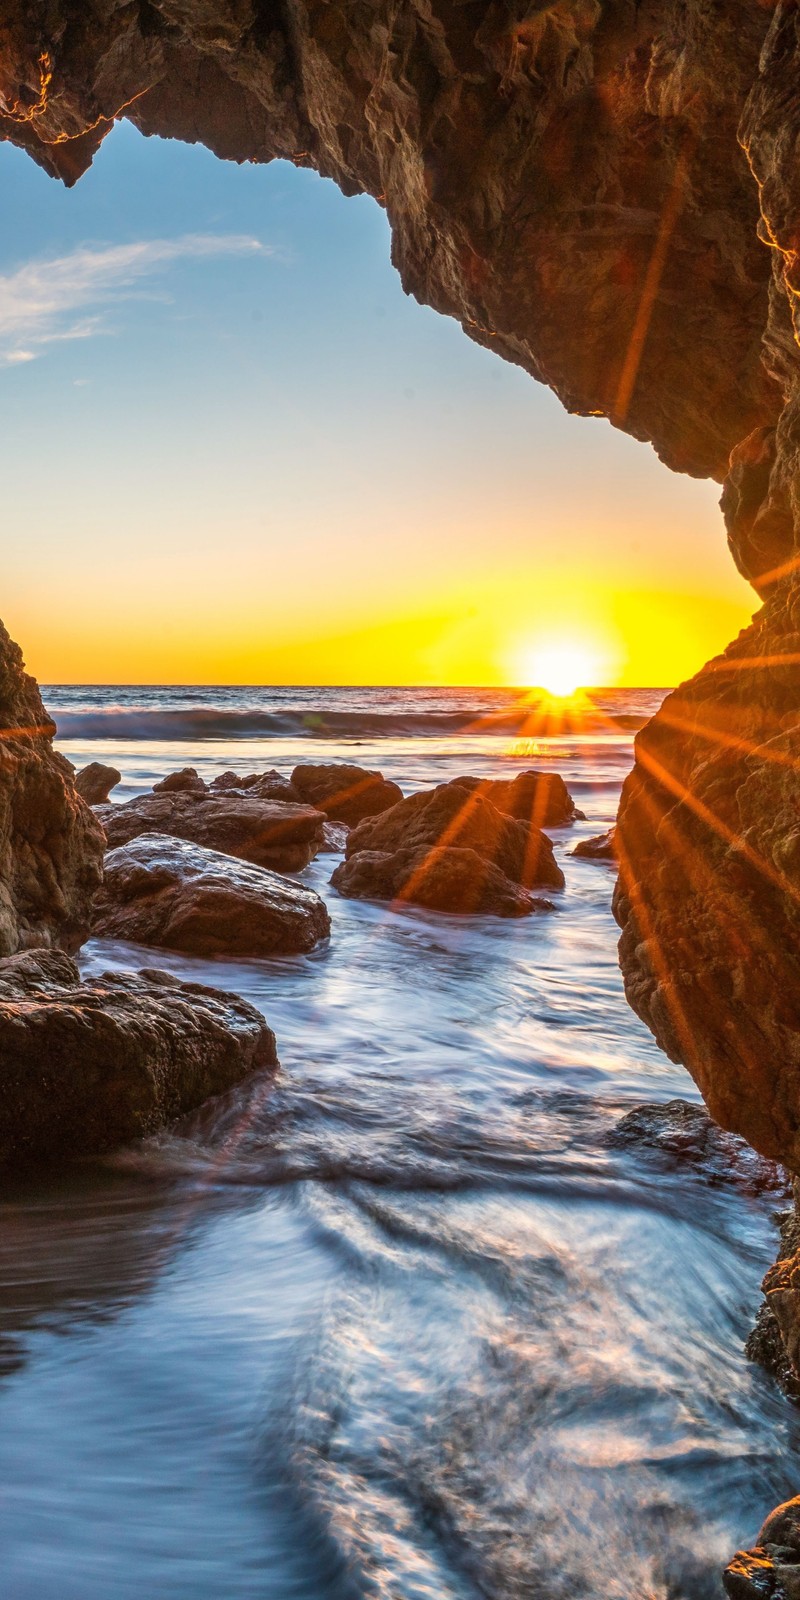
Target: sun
(560,667)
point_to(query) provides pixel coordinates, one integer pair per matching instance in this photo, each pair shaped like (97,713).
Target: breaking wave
(216,722)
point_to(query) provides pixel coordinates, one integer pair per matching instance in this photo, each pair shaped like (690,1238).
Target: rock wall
(51,847)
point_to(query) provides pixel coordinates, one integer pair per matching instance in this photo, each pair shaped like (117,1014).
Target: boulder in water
(95,782)
(88,1066)
(541,799)
(599,848)
(449,849)
(269,785)
(186,781)
(345,792)
(164,891)
(269,833)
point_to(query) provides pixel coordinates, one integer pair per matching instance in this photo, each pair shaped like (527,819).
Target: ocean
(415,1324)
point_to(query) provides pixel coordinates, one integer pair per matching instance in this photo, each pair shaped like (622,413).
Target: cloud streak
(45,302)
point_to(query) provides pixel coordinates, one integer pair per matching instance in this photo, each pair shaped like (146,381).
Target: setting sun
(561,667)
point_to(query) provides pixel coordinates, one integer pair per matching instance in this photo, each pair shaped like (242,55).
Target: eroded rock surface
(51,848)
(771,1569)
(95,782)
(601,847)
(448,849)
(539,798)
(163,891)
(88,1066)
(268,833)
(257,785)
(346,793)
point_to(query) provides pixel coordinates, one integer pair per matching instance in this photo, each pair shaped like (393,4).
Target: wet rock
(163,891)
(267,832)
(85,1067)
(335,838)
(95,782)
(771,1569)
(346,793)
(599,848)
(50,844)
(448,849)
(687,1135)
(454,879)
(539,798)
(258,785)
(186,781)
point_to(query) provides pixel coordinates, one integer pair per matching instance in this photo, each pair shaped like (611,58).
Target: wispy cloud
(48,301)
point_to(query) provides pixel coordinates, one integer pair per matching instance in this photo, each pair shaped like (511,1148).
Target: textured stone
(771,1570)
(257,785)
(95,782)
(266,832)
(565,179)
(163,891)
(539,798)
(346,793)
(51,847)
(450,849)
(88,1066)
(601,847)
(186,781)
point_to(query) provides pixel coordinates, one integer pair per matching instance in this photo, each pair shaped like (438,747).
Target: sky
(234,451)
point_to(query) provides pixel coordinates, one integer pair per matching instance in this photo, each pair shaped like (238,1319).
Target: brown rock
(164,891)
(258,785)
(453,879)
(85,1067)
(346,793)
(186,781)
(95,782)
(539,798)
(599,848)
(771,1570)
(566,181)
(50,844)
(448,849)
(266,832)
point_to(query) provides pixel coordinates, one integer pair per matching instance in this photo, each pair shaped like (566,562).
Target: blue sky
(235,450)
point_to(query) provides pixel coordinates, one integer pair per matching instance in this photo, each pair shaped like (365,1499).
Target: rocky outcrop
(51,847)
(564,179)
(448,849)
(85,1067)
(95,782)
(269,833)
(163,891)
(346,793)
(771,1569)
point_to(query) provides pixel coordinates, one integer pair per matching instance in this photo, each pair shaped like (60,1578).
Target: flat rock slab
(267,832)
(164,891)
(85,1067)
(346,793)
(449,849)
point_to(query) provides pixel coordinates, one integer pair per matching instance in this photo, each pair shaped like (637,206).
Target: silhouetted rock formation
(451,850)
(163,891)
(88,1066)
(346,793)
(51,847)
(266,832)
(95,782)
